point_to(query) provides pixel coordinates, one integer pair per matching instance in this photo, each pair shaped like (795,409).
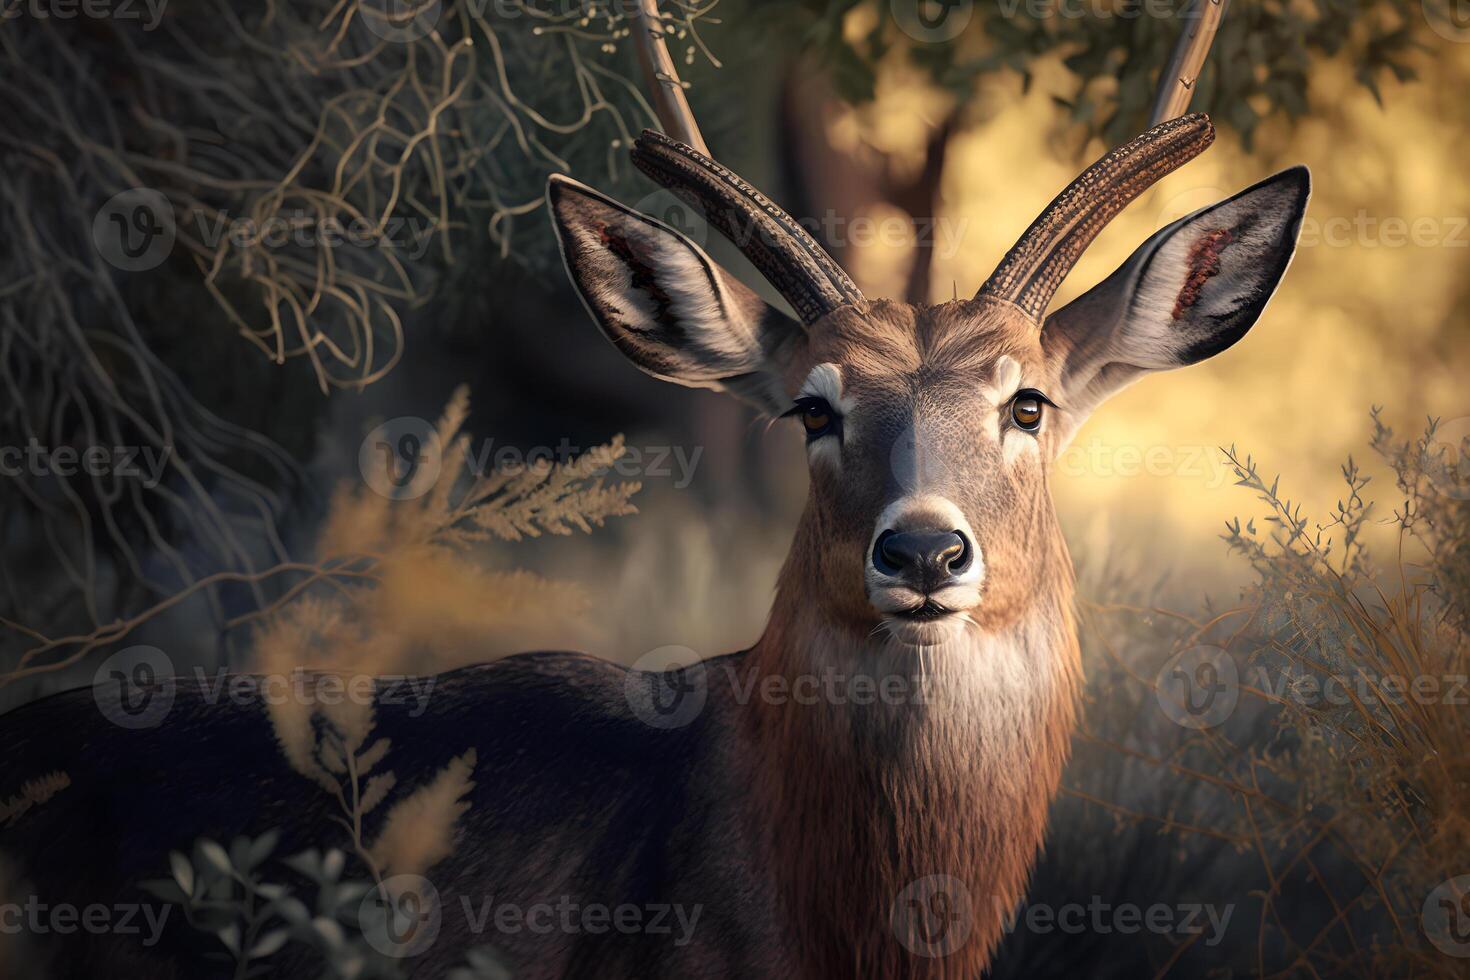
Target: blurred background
(919,139)
(252,246)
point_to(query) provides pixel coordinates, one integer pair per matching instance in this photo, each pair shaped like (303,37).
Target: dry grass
(1343,770)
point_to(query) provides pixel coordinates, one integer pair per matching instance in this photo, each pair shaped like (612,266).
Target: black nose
(925,558)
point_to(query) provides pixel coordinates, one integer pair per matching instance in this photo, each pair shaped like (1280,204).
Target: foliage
(397,583)
(1115,51)
(329,178)
(1342,770)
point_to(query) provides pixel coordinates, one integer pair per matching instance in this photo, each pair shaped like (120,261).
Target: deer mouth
(925,612)
(928,623)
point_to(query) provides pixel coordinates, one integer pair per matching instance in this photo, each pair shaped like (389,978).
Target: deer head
(928,428)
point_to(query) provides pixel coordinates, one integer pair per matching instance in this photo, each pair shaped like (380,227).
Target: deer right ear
(666,305)
(1186,294)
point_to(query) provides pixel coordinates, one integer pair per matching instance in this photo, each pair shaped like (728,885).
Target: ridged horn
(1034,268)
(783,251)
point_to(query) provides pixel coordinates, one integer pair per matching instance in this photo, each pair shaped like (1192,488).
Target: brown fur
(854,803)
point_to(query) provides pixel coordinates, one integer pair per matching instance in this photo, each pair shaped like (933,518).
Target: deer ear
(665,304)
(1188,293)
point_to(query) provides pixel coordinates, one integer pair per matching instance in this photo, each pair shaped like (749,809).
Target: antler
(783,251)
(1033,269)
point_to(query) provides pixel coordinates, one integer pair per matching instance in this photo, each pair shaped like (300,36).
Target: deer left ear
(666,305)
(1188,293)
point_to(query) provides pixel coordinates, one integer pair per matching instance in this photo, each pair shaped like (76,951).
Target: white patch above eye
(825,382)
(1004,381)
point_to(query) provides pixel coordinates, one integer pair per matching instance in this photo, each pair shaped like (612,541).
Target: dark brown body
(576,799)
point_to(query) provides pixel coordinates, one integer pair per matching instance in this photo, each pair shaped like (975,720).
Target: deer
(864,790)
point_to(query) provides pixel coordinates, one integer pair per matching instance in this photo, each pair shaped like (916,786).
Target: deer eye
(1026,409)
(817,417)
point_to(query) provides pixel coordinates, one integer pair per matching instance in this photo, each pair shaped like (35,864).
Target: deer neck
(943,765)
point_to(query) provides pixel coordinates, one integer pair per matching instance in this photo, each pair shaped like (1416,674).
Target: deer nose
(925,558)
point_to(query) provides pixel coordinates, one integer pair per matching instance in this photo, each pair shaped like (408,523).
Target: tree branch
(1176,83)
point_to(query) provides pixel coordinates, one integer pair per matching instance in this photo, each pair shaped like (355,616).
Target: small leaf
(333,864)
(262,848)
(215,855)
(308,863)
(269,943)
(230,936)
(293,910)
(183,872)
(330,932)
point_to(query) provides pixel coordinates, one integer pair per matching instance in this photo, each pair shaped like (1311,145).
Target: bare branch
(1176,84)
(674,114)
